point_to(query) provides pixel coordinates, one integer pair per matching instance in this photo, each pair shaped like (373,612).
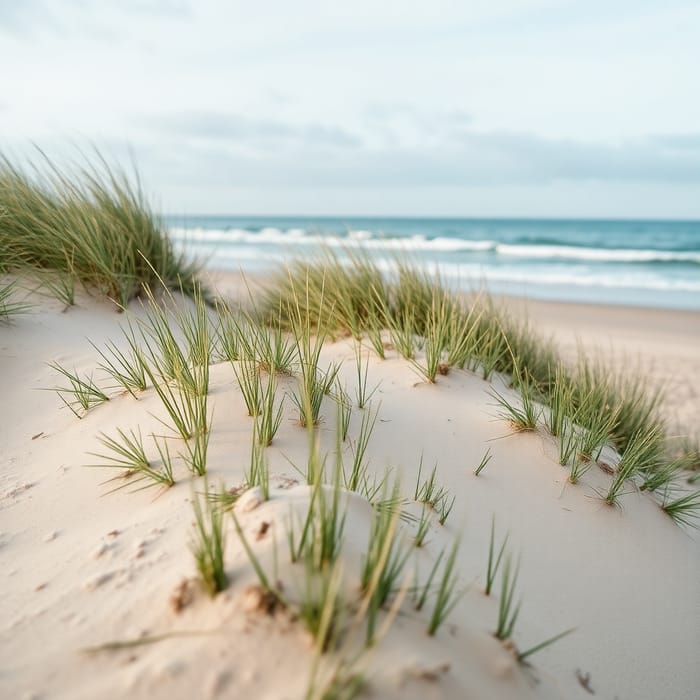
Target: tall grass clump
(57,284)
(258,472)
(270,417)
(344,413)
(437,332)
(642,450)
(321,603)
(187,412)
(624,394)
(473,334)
(81,393)
(124,366)
(343,298)
(383,563)
(447,595)
(494,560)
(358,472)
(127,452)
(508,609)
(522,418)
(684,509)
(196,450)
(433,495)
(189,367)
(309,336)
(92,222)
(208,544)
(9,308)
(362,393)
(322,531)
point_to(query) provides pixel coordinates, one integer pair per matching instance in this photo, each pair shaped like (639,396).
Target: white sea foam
(572,277)
(418,243)
(354,239)
(595,254)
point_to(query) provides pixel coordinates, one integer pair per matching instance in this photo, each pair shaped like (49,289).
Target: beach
(349,352)
(661,344)
(100,588)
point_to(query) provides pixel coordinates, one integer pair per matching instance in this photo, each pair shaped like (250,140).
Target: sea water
(641,263)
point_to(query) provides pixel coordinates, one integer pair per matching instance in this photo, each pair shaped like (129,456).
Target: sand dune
(82,567)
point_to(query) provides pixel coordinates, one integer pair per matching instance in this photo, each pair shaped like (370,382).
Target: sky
(503,108)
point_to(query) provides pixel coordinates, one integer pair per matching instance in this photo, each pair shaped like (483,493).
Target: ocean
(638,263)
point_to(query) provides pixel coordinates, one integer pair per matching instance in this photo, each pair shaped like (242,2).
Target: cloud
(247,152)
(685,141)
(244,132)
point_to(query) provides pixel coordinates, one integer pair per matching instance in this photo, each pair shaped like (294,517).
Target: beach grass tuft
(124,366)
(447,595)
(479,336)
(358,471)
(383,563)
(508,609)
(9,308)
(433,495)
(684,509)
(92,223)
(81,393)
(642,451)
(484,461)
(127,452)
(494,560)
(208,544)
(362,393)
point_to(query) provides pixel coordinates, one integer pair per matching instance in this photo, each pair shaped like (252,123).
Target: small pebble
(250,500)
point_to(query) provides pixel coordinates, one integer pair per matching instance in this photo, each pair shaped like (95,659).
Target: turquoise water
(640,263)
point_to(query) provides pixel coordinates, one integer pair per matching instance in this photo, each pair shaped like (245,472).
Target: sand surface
(82,567)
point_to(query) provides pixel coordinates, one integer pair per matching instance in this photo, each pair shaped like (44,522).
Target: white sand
(82,568)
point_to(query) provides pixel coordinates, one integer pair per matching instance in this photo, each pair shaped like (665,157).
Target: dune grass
(589,402)
(270,416)
(358,471)
(641,454)
(344,412)
(522,418)
(494,562)
(433,495)
(258,472)
(9,307)
(508,609)
(684,509)
(423,527)
(321,604)
(323,528)
(447,595)
(124,366)
(208,544)
(91,223)
(383,564)
(363,394)
(127,452)
(484,461)
(81,393)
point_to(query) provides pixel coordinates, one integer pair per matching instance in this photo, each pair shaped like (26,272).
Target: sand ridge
(82,567)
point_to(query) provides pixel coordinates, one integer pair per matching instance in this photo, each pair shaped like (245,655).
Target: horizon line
(433,217)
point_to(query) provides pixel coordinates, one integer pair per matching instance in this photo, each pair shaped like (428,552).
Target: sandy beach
(84,566)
